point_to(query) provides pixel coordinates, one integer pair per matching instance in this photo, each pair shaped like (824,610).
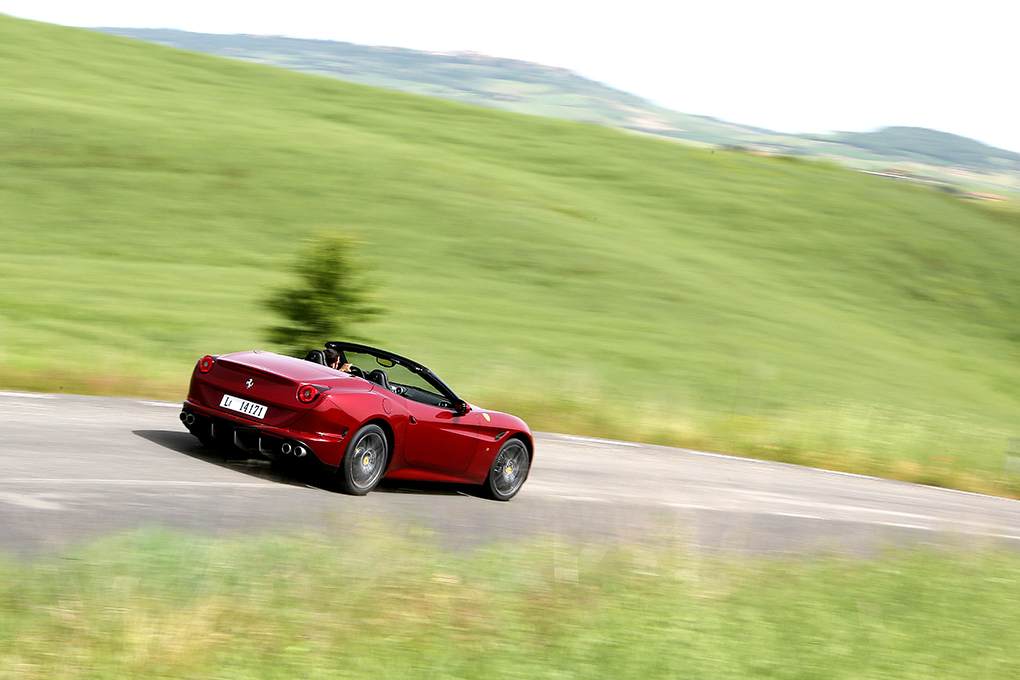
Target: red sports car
(358,412)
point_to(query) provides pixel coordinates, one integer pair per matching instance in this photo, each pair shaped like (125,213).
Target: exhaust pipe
(300,451)
(285,448)
(189,419)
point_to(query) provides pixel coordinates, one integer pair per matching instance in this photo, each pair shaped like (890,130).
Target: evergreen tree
(331,296)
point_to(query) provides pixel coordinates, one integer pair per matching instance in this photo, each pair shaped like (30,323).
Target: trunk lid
(266,379)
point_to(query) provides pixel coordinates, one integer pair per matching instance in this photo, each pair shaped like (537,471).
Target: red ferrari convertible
(360,413)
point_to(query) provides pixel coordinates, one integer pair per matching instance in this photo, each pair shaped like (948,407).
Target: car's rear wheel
(364,462)
(509,470)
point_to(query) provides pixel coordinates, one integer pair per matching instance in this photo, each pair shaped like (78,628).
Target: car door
(440,439)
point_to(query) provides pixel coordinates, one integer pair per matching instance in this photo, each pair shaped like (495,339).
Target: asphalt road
(74,467)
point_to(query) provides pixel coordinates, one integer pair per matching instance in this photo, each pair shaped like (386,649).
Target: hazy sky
(790,65)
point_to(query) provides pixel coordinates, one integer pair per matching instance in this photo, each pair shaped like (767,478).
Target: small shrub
(331,296)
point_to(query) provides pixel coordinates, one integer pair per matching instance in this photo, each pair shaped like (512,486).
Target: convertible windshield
(418,388)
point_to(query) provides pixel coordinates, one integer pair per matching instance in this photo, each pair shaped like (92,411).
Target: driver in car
(333,361)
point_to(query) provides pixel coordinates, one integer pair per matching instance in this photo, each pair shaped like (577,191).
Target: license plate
(244,406)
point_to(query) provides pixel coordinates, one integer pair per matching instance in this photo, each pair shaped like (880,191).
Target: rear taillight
(306,394)
(205,364)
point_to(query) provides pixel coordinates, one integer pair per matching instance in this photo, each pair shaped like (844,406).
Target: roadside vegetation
(328,299)
(593,282)
(386,605)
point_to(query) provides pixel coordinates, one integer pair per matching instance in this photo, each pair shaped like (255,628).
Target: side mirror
(461,408)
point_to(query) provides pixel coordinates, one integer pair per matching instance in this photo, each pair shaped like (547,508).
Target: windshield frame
(409,364)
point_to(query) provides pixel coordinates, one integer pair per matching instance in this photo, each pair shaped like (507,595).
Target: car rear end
(255,402)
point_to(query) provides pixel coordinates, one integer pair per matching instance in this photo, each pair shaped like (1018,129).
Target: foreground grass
(161,605)
(595,282)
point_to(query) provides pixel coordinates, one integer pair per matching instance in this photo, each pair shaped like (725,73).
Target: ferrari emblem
(486,416)
(249,383)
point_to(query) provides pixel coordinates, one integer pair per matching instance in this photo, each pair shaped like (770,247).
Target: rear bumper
(274,443)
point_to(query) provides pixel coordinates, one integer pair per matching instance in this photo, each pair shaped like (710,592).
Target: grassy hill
(525,87)
(468,77)
(928,146)
(592,281)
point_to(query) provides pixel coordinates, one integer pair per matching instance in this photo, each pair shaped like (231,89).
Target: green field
(391,605)
(524,87)
(591,281)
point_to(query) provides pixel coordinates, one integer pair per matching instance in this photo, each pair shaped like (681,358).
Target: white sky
(789,65)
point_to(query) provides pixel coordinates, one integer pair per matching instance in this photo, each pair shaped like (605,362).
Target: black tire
(509,470)
(364,462)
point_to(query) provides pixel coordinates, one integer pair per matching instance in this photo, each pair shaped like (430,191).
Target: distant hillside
(927,146)
(552,92)
(506,84)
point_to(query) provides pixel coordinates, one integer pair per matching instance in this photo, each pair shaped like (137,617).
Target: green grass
(595,282)
(384,605)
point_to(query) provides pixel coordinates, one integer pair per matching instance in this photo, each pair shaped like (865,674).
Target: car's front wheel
(509,470)
(364,462)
